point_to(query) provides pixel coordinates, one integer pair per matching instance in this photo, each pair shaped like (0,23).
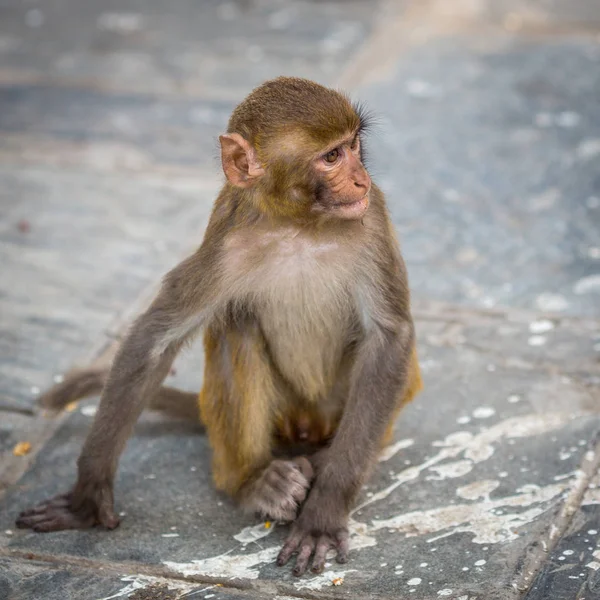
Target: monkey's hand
(79,509)
(321,526)
(280,489)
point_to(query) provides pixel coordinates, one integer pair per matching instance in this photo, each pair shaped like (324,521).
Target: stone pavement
(488,146)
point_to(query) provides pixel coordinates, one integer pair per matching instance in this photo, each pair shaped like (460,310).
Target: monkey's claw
(307,544)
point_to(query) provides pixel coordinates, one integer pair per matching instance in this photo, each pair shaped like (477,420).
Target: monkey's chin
(351,210)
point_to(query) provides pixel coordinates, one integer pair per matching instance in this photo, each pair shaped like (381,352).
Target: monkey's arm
(379,376)
(188,296)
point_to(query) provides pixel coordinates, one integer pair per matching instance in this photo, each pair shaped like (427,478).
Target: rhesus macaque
(302,294)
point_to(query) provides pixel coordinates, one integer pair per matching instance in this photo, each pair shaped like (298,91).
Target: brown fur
(302,292)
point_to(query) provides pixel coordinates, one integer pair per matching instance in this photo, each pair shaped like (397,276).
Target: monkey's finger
(61,501)
(306,549)
(323,546)
(50,521)
(305,467)
(60,522)
(289,548)
(26,521)
(343,547)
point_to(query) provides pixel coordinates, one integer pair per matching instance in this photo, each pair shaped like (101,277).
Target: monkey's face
(343,182)
(299,178)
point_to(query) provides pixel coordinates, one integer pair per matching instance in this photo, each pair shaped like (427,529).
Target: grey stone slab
(485,460)
(572,571)
(488,149)
(37,580)
(202,48)
(516,338)
(137,132)
(95,242)
(542,14)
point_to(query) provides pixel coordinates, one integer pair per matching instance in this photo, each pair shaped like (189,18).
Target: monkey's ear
(240,163)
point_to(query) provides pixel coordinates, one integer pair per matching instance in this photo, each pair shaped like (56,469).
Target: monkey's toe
(306,544)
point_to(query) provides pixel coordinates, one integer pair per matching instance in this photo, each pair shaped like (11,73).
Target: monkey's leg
(241,397)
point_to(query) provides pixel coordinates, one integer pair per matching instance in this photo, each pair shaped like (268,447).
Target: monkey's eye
(332,156)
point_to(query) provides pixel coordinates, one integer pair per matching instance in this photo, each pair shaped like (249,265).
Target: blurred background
(487,145)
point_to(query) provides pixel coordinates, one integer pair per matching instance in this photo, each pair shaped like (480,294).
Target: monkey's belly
(307,348)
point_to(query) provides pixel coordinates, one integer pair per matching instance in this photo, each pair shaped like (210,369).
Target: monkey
(302,293)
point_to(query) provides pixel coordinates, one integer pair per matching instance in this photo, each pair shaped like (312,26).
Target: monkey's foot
(58,513)
(306,544)
(280,489)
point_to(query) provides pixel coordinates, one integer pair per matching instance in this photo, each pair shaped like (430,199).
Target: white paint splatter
(594,564)
(481,519)
(549,302)
(120,22)
(417,88)
(567,119)
(477,447)
(445,592)
(414,581)
(480,563)
(253,533)
(587,285)
(537,340)
(514,398)
(451,470)
(233,566)
(89,411)
(541,326)
(359,535)
(463,420)
(588,149)
(140,582)
(393,449)
(478,489)
(324,580)
(246,566)
(483,412)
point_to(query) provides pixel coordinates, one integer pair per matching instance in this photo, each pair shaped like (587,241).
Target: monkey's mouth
(351,210)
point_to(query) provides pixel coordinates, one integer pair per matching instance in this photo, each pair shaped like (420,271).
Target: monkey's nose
(362,181)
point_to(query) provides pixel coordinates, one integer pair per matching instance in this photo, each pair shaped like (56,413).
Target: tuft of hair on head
(285,104)
(366,117)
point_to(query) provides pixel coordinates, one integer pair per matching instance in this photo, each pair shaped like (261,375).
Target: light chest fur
(301,291)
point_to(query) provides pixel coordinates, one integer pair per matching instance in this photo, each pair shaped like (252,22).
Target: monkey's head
(293,147)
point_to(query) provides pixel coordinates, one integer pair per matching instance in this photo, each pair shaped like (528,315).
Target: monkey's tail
(88,382)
